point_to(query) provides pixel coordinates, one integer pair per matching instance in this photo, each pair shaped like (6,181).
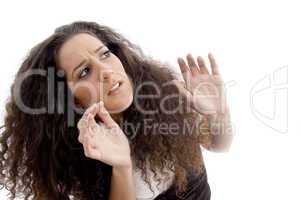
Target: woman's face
(94,73)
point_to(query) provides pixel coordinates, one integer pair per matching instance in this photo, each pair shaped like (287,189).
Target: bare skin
(107,143)
(92,80)
(205,91)
(92,73)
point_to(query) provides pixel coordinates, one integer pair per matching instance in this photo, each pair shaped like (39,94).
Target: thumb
(105,115)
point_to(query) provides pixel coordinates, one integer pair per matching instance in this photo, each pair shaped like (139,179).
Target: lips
(114,87)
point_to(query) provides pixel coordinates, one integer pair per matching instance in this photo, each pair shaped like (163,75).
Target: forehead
(73,51)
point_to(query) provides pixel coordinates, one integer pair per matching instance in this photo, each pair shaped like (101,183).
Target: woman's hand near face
(105,141)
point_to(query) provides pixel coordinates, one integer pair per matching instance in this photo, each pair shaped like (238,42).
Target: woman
(91,117)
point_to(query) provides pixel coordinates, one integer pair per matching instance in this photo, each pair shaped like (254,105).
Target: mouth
(115,88)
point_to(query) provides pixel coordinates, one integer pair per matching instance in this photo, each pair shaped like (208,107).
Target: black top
(197,189)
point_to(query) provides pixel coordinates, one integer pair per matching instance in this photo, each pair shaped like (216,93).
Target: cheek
(88,93)
(130,85)
(118,65)
(129,90)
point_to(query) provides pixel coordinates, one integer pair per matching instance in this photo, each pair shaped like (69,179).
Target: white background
(256,44)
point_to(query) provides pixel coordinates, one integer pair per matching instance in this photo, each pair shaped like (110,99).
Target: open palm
(204,90)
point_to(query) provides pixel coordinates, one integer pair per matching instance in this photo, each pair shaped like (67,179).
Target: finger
(214,67)
(88,139)
(90,150)
(202,66)
(93,126)
(94,109)
(83,123)
(192,65)
(81,136)
(184,69)
(91,110)
(82,126)
(105,115)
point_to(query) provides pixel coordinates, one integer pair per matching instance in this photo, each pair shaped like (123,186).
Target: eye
(83,72)
(106,54)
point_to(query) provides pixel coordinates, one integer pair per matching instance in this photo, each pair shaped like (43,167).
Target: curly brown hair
(40,154)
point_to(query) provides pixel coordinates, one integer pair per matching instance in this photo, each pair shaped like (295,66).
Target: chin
(117,105)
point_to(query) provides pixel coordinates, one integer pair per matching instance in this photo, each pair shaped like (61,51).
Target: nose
(105,71)
(106,75)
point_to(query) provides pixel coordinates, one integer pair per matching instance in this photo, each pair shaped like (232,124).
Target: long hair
(40,154)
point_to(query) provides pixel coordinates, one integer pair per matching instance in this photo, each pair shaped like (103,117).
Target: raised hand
(203,90)
(105,141)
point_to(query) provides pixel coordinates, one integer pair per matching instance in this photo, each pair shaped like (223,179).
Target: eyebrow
(82,62)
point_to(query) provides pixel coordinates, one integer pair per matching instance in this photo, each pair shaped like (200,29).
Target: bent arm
(122,184)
